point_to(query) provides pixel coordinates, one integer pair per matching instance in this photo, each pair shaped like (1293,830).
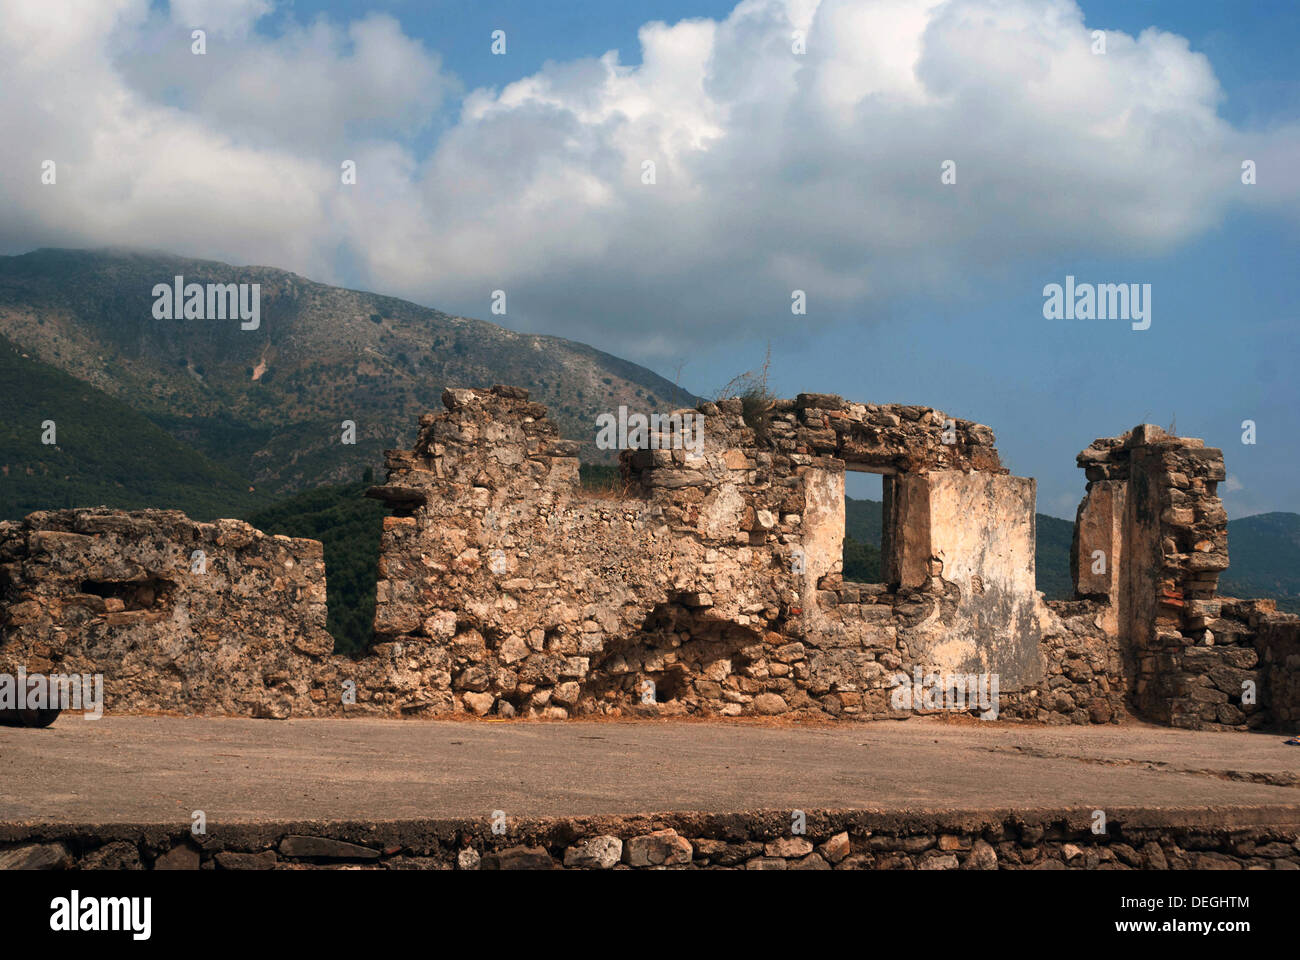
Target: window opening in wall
(865,515)
(135,594)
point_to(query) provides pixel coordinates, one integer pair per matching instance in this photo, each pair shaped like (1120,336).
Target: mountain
(103,452)
(863,520)
(349,527)
(1265,553)
(1264,549)
(862,531)
(215,420)
(1053,541)
(267,405)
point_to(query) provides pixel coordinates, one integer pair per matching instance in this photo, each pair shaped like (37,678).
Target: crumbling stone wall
(1277,642)
(1151,540)
(714,585)
(177,616)
(1083,679)
(711,584)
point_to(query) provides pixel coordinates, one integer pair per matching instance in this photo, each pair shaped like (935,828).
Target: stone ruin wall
(710,585)
(177,616)
(1153,515)
(713,582)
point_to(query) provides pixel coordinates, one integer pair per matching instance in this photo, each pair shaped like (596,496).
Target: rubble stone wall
(1277,643)
(1083,679)
(713,585)
(176,616)
(1151,540)
(839,840)
(710,583)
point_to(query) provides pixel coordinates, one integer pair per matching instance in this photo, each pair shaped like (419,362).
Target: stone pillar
(1154,499)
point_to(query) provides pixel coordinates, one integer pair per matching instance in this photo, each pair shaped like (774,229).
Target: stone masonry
(175,615)
(711,584)
(835,840)
(1150,541)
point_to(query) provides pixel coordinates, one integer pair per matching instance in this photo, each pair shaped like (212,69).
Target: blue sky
(1251,42)
(1225,348)
(525,172)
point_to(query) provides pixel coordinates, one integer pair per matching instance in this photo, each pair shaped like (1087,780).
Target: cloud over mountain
(774,170)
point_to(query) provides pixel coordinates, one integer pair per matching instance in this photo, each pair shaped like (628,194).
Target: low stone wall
(177,616)
(1084,679)
(1278,644)
(1216,682)
(840,840)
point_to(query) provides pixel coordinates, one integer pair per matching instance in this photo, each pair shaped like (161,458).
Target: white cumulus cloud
(773,170)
